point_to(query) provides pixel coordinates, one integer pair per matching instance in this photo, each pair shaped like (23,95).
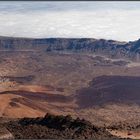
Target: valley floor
(98,89)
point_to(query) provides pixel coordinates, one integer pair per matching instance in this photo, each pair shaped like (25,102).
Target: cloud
(65,20)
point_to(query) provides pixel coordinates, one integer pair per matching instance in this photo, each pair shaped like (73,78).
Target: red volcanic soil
(110,89)
(31,101)
(40,96)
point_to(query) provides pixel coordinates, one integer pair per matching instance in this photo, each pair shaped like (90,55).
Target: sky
(88,19)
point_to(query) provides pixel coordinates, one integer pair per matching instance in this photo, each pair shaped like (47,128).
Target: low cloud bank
(119,24)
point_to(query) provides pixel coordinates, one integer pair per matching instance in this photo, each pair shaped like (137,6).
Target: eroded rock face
(111,48)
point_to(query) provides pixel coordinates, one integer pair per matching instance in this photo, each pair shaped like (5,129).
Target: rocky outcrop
(56,127)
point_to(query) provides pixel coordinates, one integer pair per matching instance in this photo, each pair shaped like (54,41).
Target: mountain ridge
(110,48)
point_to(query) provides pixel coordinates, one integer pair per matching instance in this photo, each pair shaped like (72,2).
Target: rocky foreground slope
(111,48)
(55,127)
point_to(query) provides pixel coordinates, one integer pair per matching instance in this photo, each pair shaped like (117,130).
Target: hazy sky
(109,20)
